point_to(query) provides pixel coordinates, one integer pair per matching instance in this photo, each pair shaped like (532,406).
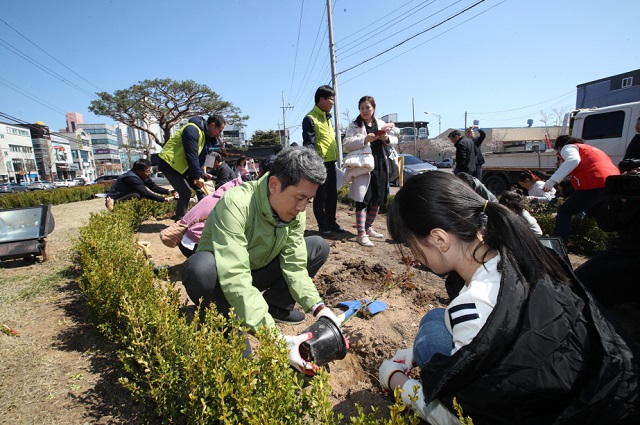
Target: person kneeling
(253,255)
(135,184)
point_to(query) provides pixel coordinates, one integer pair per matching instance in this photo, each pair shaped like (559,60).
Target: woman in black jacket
(523,342)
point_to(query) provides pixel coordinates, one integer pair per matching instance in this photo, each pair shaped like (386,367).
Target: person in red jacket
(589,168)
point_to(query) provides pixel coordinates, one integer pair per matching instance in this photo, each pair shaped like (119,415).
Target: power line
(34,62)
(29,95)
(423,43)
(524,107)
(413,36)
(46,53)
(32,125)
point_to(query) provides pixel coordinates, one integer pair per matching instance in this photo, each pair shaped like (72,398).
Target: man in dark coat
(136,183)
(466,160)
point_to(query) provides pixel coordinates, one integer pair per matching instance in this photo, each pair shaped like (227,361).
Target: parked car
(72,182)
(80,181)
(414,166)
(40,186)
(429,161)
(60,183)
(107,177)
(159,179)
(445,163)
(12,187)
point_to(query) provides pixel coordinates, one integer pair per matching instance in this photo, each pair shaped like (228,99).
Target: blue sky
(501,61)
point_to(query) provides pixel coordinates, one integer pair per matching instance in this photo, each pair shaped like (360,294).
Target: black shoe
(325,231)
(336,228)
(281,315)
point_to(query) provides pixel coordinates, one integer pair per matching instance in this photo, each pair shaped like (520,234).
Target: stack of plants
(191,370)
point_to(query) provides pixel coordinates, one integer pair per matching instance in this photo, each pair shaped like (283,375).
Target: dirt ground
(61,371)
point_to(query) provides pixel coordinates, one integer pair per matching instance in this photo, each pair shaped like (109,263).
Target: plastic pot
(327,344)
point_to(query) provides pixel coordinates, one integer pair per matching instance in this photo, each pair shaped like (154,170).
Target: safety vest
(325,138)
(173,151)
(594,168)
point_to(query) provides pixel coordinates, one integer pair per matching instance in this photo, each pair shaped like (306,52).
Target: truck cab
(609,128)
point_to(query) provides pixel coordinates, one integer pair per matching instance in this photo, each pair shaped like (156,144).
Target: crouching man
(135,184)
(253,255)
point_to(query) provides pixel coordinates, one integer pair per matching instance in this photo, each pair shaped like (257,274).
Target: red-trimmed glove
(387,369)
(295,360)
(405,358)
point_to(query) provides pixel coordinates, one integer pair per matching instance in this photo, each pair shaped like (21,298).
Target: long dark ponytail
(440,200)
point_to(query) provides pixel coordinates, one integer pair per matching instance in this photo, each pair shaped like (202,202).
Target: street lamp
(439,117)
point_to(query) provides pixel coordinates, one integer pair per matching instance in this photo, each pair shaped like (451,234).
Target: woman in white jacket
(370,190)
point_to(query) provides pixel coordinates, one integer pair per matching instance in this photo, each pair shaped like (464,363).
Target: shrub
(49,197)
(189,371)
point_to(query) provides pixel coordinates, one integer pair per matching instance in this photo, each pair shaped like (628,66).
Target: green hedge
(57,196)
(189,371)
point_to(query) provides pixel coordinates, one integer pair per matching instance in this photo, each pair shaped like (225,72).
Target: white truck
(609,128)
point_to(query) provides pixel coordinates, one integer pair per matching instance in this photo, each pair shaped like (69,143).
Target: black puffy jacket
(545,356)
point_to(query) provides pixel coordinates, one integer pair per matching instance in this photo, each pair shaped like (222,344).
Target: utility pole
(465,120)
(334,82)
(415,130)
(284,123)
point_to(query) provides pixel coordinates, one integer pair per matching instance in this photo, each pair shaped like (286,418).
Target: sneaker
(281,315)
(373,234)
(335,227)
(364,240)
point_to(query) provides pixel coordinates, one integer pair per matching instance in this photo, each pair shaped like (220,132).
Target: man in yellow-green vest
(317,133)
(183,155)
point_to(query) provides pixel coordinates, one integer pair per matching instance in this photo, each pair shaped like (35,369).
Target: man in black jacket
(136,183)
(466,161)
(223,173)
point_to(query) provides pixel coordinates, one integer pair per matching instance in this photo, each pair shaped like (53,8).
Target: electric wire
(52,57)
(412,37)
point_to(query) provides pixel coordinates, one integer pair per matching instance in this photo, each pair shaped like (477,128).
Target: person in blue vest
(136,183)
(183,155)
(317,133)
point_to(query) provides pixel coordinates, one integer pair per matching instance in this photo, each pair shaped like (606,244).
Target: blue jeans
(433,337)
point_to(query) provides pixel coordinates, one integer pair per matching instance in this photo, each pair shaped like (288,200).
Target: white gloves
(295,360)
(548,185)
(402,361)
(404,357)
(388,368)
(326,312)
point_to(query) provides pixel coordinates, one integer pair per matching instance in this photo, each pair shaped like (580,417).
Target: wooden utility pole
(334,82)
(285,139)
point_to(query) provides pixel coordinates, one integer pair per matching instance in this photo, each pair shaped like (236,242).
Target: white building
(82,154)
(106,150)
(17,159)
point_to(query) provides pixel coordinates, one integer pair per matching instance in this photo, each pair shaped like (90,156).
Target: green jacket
(325,139)
(243,235)
(173,151)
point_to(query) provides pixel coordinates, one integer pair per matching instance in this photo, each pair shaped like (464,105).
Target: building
(236,135)
(621,88)
(17,157)
(106,152)
(62,157)
(82,154)
(72,119)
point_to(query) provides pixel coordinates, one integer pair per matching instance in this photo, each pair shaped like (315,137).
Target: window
(627,82)
(603,126)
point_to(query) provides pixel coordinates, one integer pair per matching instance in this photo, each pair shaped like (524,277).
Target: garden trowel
(372,307)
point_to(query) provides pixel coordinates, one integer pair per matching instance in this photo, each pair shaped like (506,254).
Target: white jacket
(354,139)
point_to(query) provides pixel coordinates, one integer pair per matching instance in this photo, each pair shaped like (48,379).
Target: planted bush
(49,197)
(190,371)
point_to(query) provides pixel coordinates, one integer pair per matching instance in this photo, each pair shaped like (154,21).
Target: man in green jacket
(318,134)
(253,241)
